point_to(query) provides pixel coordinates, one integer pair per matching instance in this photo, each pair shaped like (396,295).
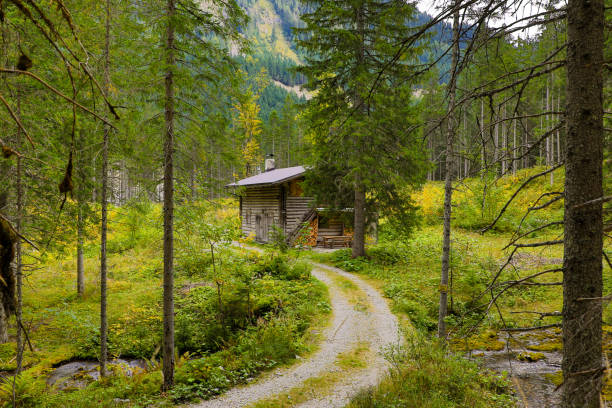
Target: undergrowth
(237,313)
(423,374)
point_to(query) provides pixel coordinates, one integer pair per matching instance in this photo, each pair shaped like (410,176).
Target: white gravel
(376,326)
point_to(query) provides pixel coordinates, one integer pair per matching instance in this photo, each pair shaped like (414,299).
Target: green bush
(134,226)
(343,259)
(386,254)
(257,349)
(425,375)
(278,239)
(194,264)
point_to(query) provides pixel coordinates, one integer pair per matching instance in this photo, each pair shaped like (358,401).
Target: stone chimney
(270,165)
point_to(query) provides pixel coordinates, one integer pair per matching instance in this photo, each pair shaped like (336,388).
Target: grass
(273,309)
(269,308)
(408,272)
(423,374)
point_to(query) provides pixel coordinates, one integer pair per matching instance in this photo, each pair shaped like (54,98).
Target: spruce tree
(363,139)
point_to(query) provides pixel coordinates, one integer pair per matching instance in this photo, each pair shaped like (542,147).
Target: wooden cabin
(275,198)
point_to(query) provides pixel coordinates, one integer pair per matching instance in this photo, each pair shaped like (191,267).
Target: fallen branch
(525,279)
(541,283)
(525,329)
(538,244)
(532,231)
(542,314)
(607,297)
(596,201)
(546,204)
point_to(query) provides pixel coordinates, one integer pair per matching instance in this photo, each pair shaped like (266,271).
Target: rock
(78,374)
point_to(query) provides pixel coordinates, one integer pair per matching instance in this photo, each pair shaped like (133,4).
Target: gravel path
(376,326)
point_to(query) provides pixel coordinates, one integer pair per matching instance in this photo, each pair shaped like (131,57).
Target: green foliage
(423,374)
(134,225)
(478,201)
(409,269)
(260,348)
(203,229)
(27,387)
(278,239)
(260,325)
(362,136)
(344,260)
(141,390)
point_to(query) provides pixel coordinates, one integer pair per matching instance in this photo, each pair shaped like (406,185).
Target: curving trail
(350,326)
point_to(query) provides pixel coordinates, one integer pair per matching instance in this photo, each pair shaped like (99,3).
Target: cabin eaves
(271,177)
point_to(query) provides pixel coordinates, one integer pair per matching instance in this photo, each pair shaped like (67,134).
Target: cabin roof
(271,177)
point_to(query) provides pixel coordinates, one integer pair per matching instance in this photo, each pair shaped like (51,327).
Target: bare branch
(529,180)
(596,201)
(17,232)
(54,90)
(16,119)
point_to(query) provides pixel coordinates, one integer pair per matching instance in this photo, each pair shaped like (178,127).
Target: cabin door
(262,226)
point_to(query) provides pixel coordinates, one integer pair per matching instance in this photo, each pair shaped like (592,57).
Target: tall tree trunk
(104,205)
(543,131)
(525,146)
(360,219)
(80,255)
(80,199)
(496,144)
(549,139)
(483,159)
(168,340)
(448,190)
(360,194)
(583,241)
(558,137)
(467,145)
(504,141)
(192,177)
(514,148)
(18,252)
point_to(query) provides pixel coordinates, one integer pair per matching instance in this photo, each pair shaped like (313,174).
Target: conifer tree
(363,139)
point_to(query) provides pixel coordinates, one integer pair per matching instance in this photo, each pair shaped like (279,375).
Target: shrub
(278,239)
(423,374)
(194,264)
(386,254)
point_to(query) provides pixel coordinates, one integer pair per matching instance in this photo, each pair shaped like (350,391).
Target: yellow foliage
(477,201)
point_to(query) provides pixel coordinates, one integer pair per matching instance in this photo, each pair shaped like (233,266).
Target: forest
(309,203)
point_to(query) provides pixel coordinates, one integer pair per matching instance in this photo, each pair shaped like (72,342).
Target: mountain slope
(274,49)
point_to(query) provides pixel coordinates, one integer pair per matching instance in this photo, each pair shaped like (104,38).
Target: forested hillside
(273,42)
(322,203)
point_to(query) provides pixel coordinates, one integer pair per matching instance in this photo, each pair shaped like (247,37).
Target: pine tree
(347,43)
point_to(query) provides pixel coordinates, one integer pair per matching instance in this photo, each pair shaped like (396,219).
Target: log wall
(297,207)
(267,203)
(262,202)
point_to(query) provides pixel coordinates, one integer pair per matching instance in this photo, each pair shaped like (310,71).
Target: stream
(528,366)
